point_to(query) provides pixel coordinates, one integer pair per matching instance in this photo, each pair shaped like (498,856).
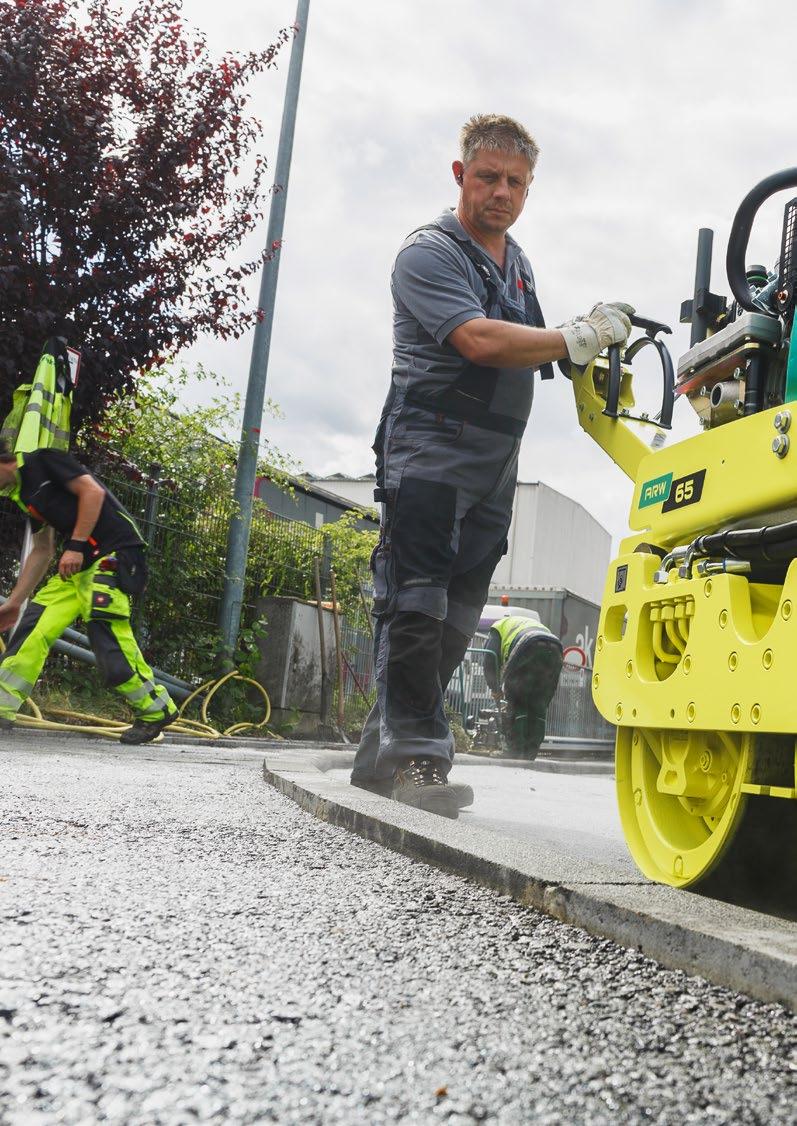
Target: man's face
(8,472)
(493,189)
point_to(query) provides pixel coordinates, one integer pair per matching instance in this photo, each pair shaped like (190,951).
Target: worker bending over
(102,563)
(522,663)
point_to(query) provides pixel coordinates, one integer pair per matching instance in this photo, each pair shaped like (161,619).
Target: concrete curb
(731,946)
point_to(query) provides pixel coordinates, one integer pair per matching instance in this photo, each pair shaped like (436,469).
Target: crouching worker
(101,565)
(522,664)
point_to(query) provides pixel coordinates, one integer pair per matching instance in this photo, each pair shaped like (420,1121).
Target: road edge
(653,928)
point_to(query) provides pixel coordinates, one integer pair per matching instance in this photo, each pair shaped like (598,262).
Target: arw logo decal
(655,491)
(672,494)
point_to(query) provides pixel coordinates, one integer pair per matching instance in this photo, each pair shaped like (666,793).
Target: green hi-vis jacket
(509,629)
(501,640)
(41,411)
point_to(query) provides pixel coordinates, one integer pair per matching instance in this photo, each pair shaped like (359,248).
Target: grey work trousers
(449,487)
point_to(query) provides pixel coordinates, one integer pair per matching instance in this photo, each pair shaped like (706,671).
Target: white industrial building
(553,541)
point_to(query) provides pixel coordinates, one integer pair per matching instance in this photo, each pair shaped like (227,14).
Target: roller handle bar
(740,234)
(651,328)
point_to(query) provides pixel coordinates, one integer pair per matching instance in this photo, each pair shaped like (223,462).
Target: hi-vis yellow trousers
(94,596)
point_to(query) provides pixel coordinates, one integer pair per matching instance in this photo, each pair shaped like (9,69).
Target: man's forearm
(503,344)
(490,667)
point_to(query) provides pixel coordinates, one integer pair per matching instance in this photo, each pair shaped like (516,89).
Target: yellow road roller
(696,654)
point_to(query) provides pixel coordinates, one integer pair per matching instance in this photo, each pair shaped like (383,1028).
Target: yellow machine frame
(699,674)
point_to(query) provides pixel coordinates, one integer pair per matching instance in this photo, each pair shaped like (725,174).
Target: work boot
(421,784)
(6,724)
(384,788)
(142,732)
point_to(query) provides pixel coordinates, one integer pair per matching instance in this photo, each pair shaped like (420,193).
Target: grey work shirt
(436,288)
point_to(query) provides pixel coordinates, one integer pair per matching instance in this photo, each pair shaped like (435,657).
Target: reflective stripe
(44,422)
(147,689)
(60,435)
(7,699)
(45,394)
(15,681)
(159,704)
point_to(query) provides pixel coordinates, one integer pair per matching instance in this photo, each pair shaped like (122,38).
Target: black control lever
(652,328)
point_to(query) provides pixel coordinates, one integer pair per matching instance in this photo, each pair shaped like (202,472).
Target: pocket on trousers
(101,600)
(423,426)
(107,598)
(131,570)
(380,568)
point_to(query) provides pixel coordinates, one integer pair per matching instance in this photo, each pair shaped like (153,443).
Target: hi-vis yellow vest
(509,628)
(41,411)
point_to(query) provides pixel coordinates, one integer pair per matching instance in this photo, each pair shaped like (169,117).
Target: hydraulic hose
(770,544)
(658,646)
(84,723)
(673,635)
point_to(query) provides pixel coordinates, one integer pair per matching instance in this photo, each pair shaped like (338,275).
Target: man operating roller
(468,336)
(101,564)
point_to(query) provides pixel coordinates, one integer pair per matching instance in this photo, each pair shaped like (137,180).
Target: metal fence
(187,550)
(571,713)
(356,642)
(177,618)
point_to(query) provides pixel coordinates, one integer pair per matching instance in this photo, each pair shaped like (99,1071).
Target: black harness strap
(534,315)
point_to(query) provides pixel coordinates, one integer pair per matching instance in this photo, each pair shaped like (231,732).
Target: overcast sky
(654,117)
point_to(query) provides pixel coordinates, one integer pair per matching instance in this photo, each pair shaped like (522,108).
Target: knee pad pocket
(424,515)
(413,659)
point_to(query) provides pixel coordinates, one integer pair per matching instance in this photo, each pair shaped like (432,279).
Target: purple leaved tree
(121,204)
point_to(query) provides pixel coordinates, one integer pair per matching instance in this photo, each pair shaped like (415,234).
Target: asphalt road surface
(180,944)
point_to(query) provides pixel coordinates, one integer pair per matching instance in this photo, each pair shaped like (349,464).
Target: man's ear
(458,169)
(531,181)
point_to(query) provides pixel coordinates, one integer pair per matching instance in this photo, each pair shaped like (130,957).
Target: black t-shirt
(43,476)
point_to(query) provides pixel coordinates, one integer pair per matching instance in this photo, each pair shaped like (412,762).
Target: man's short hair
(6,453)
(494,131)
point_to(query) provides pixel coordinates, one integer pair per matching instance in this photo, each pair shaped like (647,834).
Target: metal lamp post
(240,525)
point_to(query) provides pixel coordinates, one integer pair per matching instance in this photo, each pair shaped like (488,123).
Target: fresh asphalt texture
(181,943)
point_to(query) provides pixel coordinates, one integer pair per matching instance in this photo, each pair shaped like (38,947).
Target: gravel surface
(181,944)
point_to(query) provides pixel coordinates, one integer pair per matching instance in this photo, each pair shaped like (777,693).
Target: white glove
(605,324)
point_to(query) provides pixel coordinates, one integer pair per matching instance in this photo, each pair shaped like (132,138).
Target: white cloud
(655,118)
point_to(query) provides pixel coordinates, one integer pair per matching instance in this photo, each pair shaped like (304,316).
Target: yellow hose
(674,636)
(658,647)
(113,728)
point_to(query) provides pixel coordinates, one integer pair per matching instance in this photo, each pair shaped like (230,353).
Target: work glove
(605,324)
